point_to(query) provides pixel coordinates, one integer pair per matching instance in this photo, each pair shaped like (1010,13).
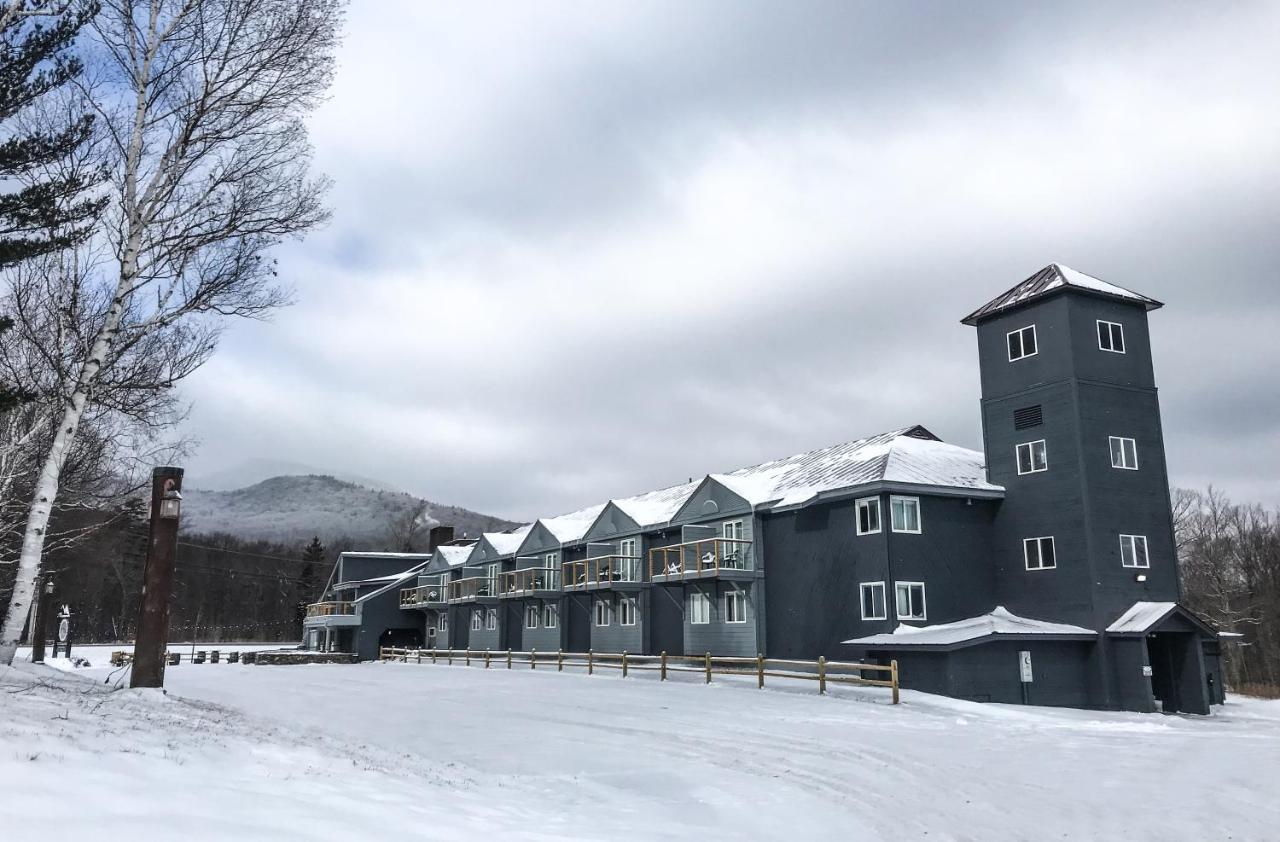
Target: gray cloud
(580,251)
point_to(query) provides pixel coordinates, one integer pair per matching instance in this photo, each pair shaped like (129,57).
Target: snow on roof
(1140,617)
(365,554)
(654,507)
(574,525)
(505,543)
(454,556)
(998,622)
(1053,277)
(910,455)
(389,582)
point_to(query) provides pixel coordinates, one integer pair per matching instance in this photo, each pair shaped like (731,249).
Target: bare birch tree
(201,105)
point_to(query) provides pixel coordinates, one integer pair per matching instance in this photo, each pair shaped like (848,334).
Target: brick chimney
(439,535)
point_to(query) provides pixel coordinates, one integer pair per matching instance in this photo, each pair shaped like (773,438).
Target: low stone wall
(296,656)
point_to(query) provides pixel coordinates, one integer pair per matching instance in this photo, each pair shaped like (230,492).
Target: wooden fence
(822,671)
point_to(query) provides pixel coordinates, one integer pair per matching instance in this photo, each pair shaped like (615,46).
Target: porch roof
(1000,623)
(1142,617)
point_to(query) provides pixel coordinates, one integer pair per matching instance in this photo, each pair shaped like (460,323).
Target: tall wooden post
(760,670)
(157,579)
(664,664)
(40,620)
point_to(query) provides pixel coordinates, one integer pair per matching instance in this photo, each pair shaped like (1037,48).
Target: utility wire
(246,552)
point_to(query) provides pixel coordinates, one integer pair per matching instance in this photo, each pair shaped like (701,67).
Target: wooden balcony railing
(430,594)
(530,579)
(326,609)
(465,590)
(706,557)
(601,571)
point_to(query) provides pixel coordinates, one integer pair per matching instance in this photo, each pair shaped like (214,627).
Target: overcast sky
(582,250)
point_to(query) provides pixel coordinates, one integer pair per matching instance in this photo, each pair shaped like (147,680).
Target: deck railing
(822,671)
(529,579)
(467,589)
(704,557)
(326,609)
(423,595)
(601,571)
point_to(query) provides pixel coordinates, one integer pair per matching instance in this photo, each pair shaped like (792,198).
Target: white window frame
(551,561)
(699,609)
(1040,565)
(491,619)
(873,587)
(550,615)
(626,611)
(735,606)
(894,498)
(732,529)
(1111,337)
(603,608)
(1134,541)
(1031,456)
(1022,343)
(531,612)
(477,621)
(871,504)
(492,576)
(1111,448)
(898,587)
(442,621)
(627,547)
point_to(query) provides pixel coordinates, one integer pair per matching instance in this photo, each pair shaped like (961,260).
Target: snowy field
(381,751)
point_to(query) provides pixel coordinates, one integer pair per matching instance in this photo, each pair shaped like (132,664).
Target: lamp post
(40,622)
(157,579)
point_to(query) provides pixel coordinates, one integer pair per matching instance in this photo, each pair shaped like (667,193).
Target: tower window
(910,596)
(1028,416)
(1032,457)
(873,607)
(1022,343)
(868,515)
(904,514)
(1111,336)
(1039,553)
(1124,453)
(1133,551)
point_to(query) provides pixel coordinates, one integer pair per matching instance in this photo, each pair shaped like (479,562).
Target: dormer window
(1111,337)
(1022,343)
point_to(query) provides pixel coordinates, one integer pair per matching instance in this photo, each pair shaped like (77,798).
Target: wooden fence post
(533,658)
(508,659)
(450,657)
(468,654)
(486,659)
(893,675)
(664,665)
(433,656)
(822,674)
(591,662)
(759,671)
(708,661)
(624,663)
(419,656)
(559,660)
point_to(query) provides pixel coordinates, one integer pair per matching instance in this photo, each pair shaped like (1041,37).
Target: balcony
(709,558)
(531,581)
(603,572)
(473,589)
(424,596)
(329,609)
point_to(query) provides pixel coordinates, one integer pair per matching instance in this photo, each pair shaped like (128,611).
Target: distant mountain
(250,471)
(293,508)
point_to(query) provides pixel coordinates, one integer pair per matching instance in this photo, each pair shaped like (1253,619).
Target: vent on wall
(1028,416)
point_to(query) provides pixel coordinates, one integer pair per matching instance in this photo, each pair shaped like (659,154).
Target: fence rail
(822,671)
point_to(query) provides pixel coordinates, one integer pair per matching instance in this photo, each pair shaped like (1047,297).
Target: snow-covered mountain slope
(293,508)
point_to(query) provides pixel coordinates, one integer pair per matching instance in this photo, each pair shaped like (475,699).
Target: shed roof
(999,623)
(1051,279)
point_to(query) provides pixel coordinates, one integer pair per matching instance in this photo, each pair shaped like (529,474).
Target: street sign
(1024,664)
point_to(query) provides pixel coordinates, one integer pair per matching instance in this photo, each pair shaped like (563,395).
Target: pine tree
(50,210)
(312,554)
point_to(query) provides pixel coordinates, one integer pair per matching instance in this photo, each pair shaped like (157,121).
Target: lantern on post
(171,502)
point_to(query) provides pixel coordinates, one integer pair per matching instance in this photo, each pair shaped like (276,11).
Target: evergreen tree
(49,211)
(312,554)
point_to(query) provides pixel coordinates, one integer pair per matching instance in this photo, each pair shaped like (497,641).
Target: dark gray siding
(719,637)
(616,637)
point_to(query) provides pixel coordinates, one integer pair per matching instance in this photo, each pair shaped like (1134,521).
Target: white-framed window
(868,515)
(1039,553)
(732,555)
(531,613)
(602,612)
(1022,343)
(1033,457)
(477,621)
(910,600)
(551,561)
(491,619)
(735,606)
(442,622)
(626,611)
(627,547)
(1133,551)
(699,608)
(1111,336)
(873,606)
(493,578)
(904,514)
(1124,453)
(550,615)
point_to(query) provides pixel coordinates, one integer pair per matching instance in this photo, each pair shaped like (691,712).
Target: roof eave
(982,314)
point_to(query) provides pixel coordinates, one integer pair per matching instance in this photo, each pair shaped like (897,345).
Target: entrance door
(666,619)
(1177,672)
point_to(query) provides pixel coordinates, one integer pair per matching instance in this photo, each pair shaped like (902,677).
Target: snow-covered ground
(379,751)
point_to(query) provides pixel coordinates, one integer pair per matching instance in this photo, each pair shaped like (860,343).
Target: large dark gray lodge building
(1041,570)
